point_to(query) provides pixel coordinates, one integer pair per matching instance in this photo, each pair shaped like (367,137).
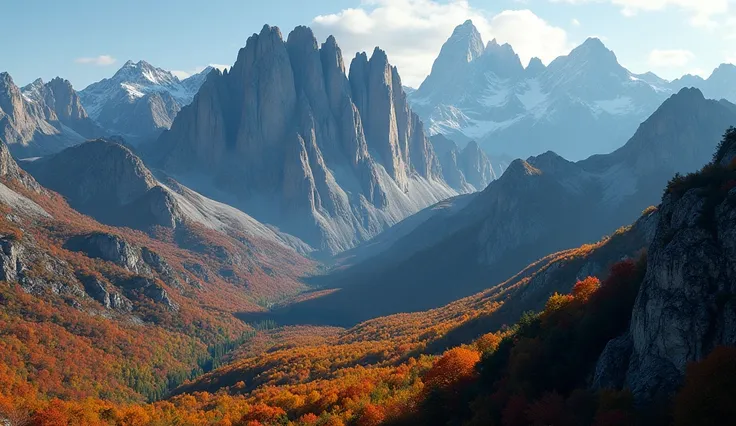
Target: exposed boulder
(111,248)
(149,288)
(11,261)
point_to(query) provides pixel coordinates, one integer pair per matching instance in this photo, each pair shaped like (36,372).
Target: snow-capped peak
(133,81)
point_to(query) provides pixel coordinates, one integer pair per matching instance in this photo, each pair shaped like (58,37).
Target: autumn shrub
(707,395)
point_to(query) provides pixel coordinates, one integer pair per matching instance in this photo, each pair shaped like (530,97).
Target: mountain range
(538,206)
(580,104)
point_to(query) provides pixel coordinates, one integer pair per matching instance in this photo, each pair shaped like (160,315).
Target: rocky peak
(143,72)
(519,169)
(465,43)
(464,46)
(591,57)
(63,99)
(28,125)
(57,101)
(550,162)
(115,171)
(724,73)
(378,96)
(501,60)
(535,67)
(10,95)
(34,92)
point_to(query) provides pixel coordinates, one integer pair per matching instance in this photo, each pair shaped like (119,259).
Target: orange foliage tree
(455,366)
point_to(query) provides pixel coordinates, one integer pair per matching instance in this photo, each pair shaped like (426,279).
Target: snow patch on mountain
(582,104)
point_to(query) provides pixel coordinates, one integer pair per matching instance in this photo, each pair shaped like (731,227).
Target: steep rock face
(287,137)
(476,166)
(31,127)
(10,171)
(140,101)
(466,170)
(582,104)
(685,307)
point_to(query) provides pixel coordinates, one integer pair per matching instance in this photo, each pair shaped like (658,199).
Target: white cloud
(537,39)
(102,60)
(196,70)
(670,58)
(575,22)
(413,31)
(181,75)
(702,11)
(699,72)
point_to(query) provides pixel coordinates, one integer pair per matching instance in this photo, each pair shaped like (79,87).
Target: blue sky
(87,40)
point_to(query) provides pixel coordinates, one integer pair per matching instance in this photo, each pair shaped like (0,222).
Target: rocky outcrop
(476,166)
(11,261)
(149,288)
(286,136)
(161,267)
(98,289)
(10,171)
(142,261)
(110,248)
(610,370)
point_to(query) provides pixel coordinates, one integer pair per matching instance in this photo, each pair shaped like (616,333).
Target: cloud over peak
(101,61)
(413,31)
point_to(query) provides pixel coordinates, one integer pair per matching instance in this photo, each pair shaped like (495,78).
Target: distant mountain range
(140,101)
(539,206)
(582,104)
(137,103)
